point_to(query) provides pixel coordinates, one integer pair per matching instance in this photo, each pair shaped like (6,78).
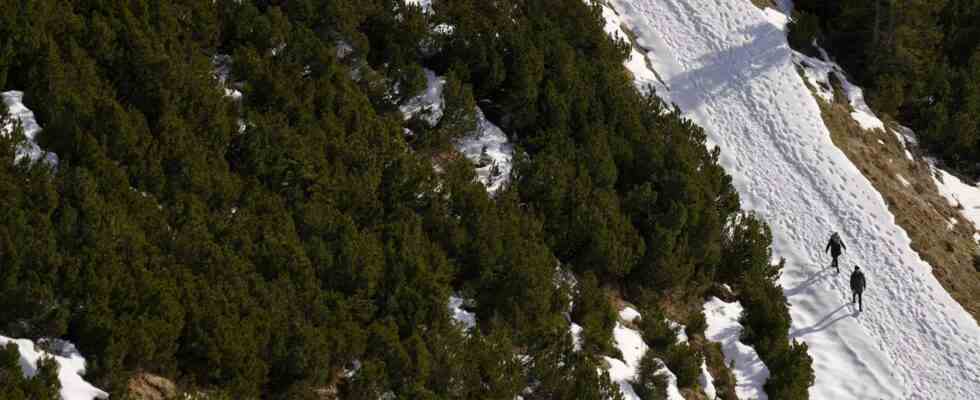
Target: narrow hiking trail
(727,65)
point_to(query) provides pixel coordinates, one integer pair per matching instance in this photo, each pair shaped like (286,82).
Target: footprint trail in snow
(727,65)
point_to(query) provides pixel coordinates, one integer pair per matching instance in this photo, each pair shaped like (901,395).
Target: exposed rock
(146,386)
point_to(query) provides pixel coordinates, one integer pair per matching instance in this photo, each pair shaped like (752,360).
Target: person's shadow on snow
(826,322)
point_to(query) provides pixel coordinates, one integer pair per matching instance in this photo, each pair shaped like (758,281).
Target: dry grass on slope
(916,203)
(762,4)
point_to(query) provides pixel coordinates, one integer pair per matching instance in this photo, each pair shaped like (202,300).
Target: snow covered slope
(727,65)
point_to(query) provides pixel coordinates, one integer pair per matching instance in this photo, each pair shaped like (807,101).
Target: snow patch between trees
(630,343)
(750,372)
(959,194)
(466,319)
(487,147)
(14,100)
(71,367)
(429,103)
(707,382)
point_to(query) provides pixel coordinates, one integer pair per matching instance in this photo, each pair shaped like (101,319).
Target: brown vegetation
(146,386)
(762,4)
(917,205)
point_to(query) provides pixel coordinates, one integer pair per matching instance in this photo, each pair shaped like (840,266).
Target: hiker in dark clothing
(834,246)
(857,287)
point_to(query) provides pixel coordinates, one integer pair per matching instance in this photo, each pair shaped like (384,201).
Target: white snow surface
(489,149)
(429,100)
(14,100)
(71,367)
(466,319)
(959,194)
(576,331)
(723,327)
(707,382)
(629,314)
(730,69)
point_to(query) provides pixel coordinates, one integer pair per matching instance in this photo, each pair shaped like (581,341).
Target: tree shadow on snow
(814,277)
(826,322)
(727,68)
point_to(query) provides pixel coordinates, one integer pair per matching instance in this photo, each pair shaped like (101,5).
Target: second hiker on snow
(857,287)
(834,246)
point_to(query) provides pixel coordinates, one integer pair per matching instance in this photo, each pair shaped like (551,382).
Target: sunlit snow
(729,68)
(723,327)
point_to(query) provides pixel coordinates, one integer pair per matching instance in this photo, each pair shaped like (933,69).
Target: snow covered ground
(959,194)
(71,367)
(727,65)
(14,100)
(465,319)
(723,327)
(707,382)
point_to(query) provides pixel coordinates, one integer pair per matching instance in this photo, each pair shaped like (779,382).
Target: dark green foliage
(685,363)
(804,29)
(765,318)
(595,314)
(680,358)
(656,332)
(650,384)
(697,323)
(263,248)
(919,58)
(794,377)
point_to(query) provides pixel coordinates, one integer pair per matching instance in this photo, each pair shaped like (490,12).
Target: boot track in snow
(729,68)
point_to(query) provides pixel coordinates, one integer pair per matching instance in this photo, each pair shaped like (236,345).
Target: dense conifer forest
(297,241)
(920,60)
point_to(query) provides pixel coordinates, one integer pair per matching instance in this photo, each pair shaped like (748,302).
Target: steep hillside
(361,199)
(727,65)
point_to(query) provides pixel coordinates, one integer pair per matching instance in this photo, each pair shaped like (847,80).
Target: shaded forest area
(919,59)
(297,242)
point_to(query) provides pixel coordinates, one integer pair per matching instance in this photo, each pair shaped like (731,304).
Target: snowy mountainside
(728,67)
